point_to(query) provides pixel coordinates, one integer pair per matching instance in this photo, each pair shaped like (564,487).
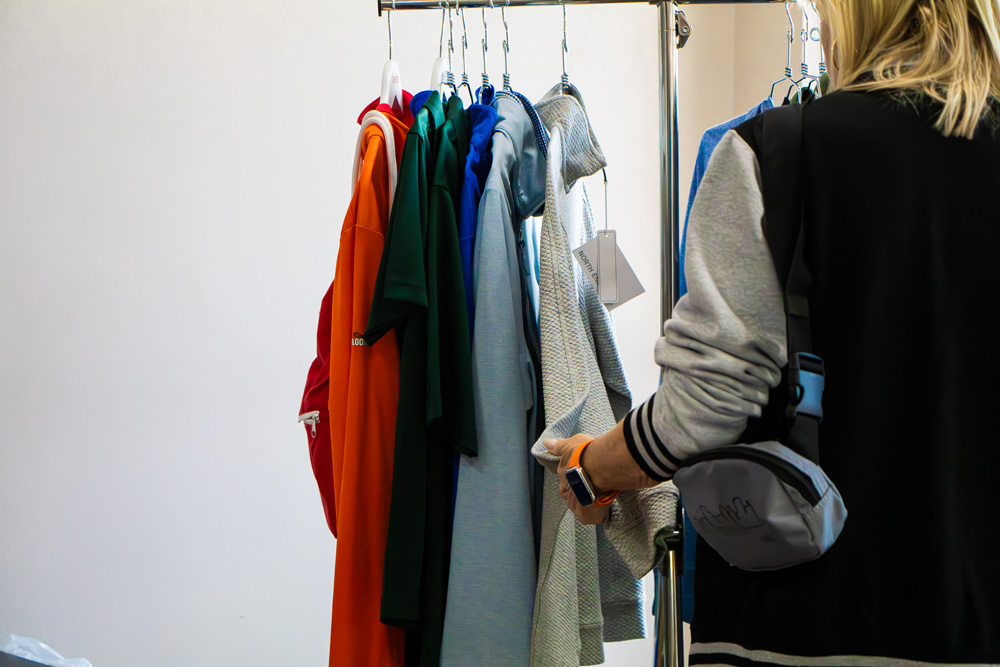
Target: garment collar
(400,112)
(418,101)
(484,95)
(541,136)
(581,154)
(483,119)
(459,117)
(435,107)
(528,179)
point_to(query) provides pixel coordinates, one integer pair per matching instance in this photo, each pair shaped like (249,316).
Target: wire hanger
(807,35)
(822,56)
(449,75)
(564,85)
(789,39)
(506,48)
(437,71)
(392,87)
(804,67)
(486,77)
(465,48)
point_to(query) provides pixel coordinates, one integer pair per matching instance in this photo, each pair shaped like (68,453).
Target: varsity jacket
(898,232)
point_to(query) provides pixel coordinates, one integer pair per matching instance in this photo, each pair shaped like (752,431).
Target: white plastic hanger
(392,86)
(436,73)
(376,118)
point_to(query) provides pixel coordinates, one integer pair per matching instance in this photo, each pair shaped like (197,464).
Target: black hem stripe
(634,450)
(724,659)
(644,439)
(676,462)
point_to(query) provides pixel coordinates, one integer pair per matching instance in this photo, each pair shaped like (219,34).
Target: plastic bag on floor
(32,649)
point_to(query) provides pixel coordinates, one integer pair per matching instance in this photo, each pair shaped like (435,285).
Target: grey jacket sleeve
(723,349)
(638,524)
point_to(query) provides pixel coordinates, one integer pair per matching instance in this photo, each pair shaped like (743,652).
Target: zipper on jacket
(782,469)
(311,418)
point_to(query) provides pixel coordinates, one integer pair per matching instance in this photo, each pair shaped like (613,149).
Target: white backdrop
(173,175)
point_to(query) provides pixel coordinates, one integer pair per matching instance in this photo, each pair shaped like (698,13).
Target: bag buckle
(806,377)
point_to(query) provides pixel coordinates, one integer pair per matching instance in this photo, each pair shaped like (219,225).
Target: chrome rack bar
(435,4)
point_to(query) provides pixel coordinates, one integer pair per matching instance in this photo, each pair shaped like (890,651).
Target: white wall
(173,174)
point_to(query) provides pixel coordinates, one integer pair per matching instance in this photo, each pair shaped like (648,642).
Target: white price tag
(607,266)
(609,272)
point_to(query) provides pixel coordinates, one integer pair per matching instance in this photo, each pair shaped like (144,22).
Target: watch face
(580,487)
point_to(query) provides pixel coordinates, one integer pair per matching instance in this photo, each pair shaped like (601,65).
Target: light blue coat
(491,587)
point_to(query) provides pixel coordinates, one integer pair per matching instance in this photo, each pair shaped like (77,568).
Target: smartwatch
(580,485)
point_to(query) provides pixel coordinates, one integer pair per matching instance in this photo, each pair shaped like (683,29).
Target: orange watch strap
(574,459)
(574,462)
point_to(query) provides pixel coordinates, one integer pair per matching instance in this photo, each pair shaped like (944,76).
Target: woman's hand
(588,516)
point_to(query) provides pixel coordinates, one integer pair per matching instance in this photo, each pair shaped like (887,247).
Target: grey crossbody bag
(768,505)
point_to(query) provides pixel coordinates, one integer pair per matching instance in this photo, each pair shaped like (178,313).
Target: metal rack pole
(669,190)
(669,617)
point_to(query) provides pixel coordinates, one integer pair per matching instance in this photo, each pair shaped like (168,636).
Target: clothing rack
(674,32)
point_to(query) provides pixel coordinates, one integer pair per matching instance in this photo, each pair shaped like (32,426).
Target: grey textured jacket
(587,590)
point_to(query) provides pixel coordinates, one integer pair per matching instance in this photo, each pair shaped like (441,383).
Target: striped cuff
(645,446)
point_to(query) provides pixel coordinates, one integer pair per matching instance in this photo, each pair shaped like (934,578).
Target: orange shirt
(364,387)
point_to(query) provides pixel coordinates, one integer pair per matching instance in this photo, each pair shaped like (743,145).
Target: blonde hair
(948,50)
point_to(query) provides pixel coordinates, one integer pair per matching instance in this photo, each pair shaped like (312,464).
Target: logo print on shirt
(358,340)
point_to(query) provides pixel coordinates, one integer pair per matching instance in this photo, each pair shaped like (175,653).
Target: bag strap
(784,229)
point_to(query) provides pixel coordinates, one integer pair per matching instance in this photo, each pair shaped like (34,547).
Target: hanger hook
(451,35)
(790,38)
(441,40)
(486,33)
(822,56)
(465,48)
(465,30)
(814,32)
(388,22)
(565,47)
(506,47)
(448,76)
(805,42)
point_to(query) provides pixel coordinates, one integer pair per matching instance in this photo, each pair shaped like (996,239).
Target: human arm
(724,348)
